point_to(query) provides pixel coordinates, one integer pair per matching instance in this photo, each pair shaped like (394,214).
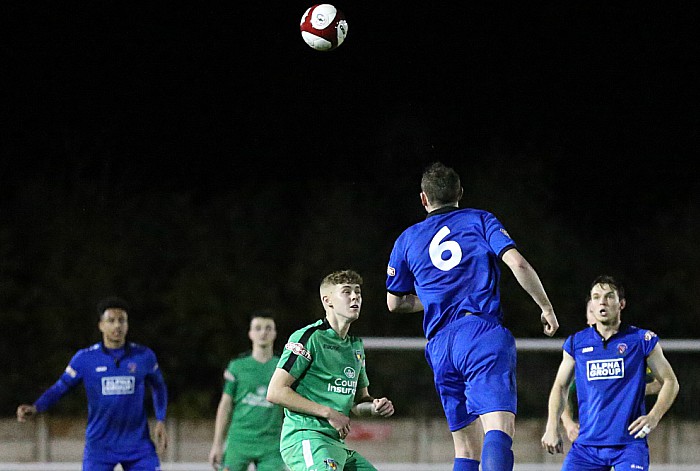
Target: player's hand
(550,323)
(383,407)
(572,431)
(25,411)
(215,455)
(161,437)
(551,441)
(340,422)
(643,426)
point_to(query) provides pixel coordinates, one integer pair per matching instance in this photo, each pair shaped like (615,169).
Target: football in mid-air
(323,27)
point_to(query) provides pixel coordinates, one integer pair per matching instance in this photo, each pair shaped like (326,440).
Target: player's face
(347,301)
(114,326)
(590,317)
(606,304)
(262,331)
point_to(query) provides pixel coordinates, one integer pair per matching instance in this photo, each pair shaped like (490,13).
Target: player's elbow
(274,395)
(393,303)
(675,387)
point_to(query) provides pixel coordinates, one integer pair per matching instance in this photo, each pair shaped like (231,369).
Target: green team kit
(254,431)
(329,370)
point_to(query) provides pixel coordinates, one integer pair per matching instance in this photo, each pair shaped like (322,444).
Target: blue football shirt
(115,383)
(451,261)
(610,380)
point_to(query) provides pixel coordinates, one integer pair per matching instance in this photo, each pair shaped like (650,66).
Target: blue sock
(465,464)
(497,454)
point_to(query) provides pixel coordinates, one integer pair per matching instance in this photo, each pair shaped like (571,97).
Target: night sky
(576,123)
(198,98)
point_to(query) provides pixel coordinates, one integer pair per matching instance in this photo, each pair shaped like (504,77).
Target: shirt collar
(442,210)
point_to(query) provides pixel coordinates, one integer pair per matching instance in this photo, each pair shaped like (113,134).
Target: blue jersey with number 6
(450,260)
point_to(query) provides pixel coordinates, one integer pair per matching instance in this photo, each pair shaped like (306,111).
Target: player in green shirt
(250,424)
(320,378)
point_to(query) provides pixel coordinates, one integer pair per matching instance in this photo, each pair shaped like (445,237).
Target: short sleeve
(649,341)
(568,346)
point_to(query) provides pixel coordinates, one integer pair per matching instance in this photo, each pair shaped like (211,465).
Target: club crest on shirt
(349,372)
(298,349)
(131,367)
(621,348)
(648,335)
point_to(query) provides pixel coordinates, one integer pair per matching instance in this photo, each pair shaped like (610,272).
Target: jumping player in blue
(447,266)
(115,374)
(609,361)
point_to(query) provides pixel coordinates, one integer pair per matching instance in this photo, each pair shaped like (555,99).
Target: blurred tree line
(194,263)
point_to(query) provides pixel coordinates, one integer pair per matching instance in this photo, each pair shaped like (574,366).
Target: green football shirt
(328,370)
(254,420)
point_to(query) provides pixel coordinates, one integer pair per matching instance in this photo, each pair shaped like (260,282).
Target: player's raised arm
(405,303)
(529,280)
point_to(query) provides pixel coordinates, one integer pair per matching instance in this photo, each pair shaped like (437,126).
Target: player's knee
(502,421)
(468,442)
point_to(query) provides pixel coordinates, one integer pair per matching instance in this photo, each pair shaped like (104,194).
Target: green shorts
(320,455)
(265,460)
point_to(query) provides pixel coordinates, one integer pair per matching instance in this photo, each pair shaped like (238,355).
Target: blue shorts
(138,460)
(473,362)
(631,457)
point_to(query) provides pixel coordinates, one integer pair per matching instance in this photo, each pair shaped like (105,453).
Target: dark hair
(610,281)
(441,184)
(112,302)
(264,313)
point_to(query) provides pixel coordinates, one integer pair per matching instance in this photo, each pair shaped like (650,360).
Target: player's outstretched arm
(25,411)
(551,440)
(50,397)
(529,280)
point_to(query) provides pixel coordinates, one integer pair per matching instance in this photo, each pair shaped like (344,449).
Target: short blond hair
(340,277)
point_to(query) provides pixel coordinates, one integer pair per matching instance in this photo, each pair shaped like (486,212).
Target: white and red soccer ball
(323,27)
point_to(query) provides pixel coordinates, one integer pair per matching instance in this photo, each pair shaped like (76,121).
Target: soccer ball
(323,27)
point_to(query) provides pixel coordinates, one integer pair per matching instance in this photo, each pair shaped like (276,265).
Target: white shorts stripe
(308,457)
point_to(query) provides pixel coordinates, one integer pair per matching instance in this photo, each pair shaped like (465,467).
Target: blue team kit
(451,262)
(613,368)
(115,382)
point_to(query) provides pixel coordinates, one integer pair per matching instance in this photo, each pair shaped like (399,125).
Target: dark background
(202,161)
